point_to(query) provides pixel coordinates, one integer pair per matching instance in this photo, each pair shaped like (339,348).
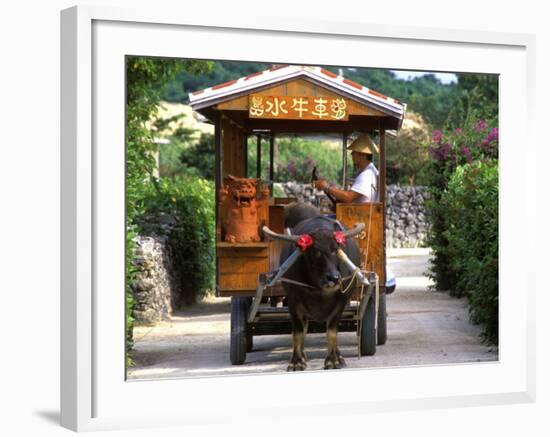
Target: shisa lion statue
(240,209)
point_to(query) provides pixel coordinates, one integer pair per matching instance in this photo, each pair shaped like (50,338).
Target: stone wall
(154,282)
(302,192)
(406,224)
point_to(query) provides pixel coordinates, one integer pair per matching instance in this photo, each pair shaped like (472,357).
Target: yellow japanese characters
(297,107)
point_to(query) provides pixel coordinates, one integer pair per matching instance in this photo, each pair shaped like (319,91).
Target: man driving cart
(365,186)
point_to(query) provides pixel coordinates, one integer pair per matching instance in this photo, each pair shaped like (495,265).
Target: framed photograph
(96,44)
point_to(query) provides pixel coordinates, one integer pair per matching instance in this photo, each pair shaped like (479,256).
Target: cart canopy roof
(298,98)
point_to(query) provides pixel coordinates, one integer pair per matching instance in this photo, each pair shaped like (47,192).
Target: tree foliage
(477,99)
(199,158)
(407,158)
(146,79)
(222,71)
(424,94)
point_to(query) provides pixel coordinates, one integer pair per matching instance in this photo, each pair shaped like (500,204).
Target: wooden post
(245,152)
(271,161)
(258,156)
(344,160)
(382,193)
(382,164)
(218,151)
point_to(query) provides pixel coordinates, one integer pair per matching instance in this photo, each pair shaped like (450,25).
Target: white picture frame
(94,393)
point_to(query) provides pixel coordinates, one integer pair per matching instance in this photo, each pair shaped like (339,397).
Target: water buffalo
(317,283)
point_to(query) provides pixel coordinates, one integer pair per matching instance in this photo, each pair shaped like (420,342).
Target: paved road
(424,327)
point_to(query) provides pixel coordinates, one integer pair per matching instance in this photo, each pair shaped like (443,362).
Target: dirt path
(424,327)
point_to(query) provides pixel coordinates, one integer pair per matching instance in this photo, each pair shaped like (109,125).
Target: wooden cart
(300,100)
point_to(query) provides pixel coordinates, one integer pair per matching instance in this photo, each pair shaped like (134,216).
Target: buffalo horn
(357,229)
(275,236)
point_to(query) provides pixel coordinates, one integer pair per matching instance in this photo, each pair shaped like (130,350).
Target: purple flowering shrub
(463,212)
(473,142)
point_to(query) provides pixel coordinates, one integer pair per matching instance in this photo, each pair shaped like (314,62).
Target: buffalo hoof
(297,366)
(332,363)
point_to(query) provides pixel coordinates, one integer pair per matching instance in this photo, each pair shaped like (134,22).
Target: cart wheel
(249,336)
(368,331)
(238,343)
(249,343)
(381,331)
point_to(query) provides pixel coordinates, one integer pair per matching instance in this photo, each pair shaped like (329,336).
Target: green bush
(190,203)
(472,215)
(145,78)
(476,141)
(462,209)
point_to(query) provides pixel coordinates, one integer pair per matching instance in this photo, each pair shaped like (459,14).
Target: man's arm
(340,195)
(343,195)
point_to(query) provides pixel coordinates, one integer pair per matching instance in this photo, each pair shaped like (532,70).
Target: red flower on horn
(340,237)
(304,241)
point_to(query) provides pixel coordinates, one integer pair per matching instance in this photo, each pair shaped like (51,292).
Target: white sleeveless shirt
(366,184)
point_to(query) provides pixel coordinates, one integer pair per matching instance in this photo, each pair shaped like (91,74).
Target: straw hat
(363,144)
